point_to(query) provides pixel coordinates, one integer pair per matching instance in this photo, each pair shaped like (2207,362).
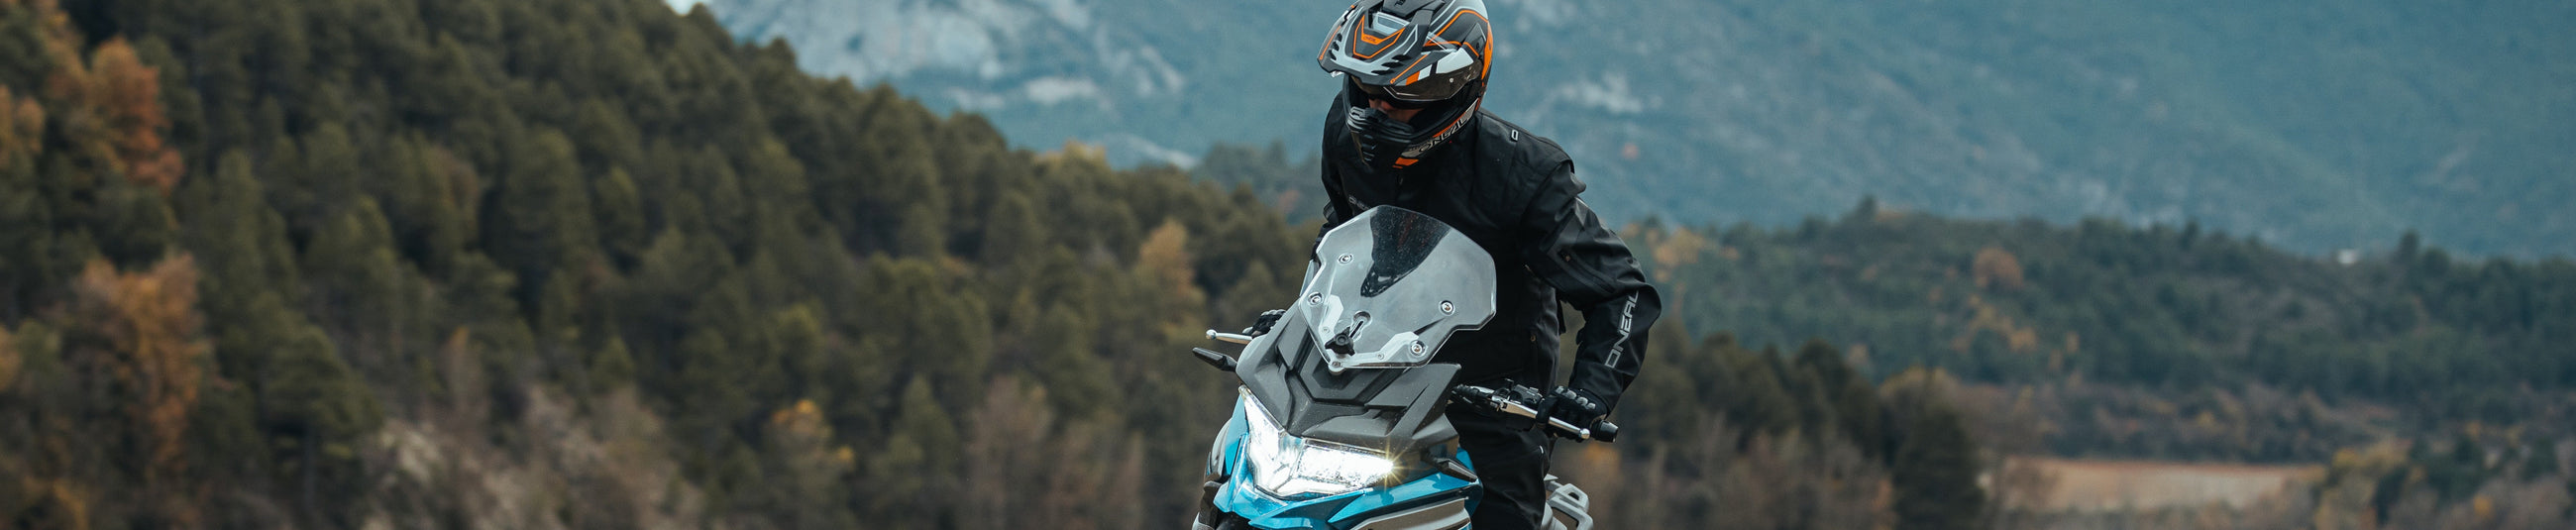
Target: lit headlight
(1284,465)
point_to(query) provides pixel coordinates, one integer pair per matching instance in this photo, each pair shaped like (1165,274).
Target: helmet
(1416,54)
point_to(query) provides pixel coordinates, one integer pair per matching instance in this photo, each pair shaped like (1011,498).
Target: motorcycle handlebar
(1605,431)
(1501,401)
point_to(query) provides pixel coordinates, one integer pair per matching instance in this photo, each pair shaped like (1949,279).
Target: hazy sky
(682,5)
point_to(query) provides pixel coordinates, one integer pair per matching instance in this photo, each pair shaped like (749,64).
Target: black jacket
(1514,193)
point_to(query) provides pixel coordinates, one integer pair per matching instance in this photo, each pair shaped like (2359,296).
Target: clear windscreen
(1390,286)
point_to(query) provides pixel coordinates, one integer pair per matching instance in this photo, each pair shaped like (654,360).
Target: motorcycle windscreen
(1390,286)
(1350,363)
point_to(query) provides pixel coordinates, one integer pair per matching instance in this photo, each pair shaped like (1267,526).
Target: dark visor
(1397,97)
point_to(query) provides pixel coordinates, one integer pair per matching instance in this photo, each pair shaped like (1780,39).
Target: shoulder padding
(1542,174)
(1532,159)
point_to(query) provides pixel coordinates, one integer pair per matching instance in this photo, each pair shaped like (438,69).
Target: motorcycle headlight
(1284,465)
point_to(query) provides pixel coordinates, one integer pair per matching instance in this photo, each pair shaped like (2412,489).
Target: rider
(1407,131)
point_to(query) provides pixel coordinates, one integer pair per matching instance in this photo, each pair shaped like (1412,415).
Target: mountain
(593,264)
(2318,125)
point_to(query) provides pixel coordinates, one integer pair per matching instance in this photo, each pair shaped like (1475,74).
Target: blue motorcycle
(1339,423)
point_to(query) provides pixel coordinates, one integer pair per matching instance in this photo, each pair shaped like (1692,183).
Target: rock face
(2320,125)
(1049,70)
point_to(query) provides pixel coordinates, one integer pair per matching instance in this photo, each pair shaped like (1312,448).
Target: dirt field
(2097,485)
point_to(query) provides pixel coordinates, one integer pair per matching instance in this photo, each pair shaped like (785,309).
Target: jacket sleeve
(1591,268)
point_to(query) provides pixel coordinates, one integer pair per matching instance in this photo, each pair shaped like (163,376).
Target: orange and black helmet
(1431,55)
(1419,51)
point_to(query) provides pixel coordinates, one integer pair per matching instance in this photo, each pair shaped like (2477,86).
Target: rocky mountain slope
(2320,125)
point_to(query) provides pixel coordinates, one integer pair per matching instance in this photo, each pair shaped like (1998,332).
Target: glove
(1261,324)
(1576,406)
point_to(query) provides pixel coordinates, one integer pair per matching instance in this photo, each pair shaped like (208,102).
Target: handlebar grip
(1605,431)
(1561,429)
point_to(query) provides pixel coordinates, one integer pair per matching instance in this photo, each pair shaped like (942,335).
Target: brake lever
(1493,400)
(1496,400)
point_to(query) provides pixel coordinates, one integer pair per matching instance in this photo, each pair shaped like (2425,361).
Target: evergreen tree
(1935,474)
(914,467)
(541,219)
(621,222)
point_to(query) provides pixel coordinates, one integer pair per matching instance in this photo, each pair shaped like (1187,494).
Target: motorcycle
(1339,422)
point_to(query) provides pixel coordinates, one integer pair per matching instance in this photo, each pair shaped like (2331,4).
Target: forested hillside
(2435,391)
(2219,323)
(593,264)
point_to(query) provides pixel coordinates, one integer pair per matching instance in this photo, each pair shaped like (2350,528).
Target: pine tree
(918,462)
(620,206)
(1935,474)
(361,277)
(316,406)
(27,243)
(423,193)
(1012,231)
(541,220)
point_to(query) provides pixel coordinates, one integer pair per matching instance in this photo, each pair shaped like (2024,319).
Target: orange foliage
(2018,339)
(114,103)
(129,94)
(1287,200)
(1996,268)
(1165,256)
(52,503)
(1683,247)
(61,39)
(803,431)
(22,126)
(151,326)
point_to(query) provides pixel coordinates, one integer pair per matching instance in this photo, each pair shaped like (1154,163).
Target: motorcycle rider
(1407,130)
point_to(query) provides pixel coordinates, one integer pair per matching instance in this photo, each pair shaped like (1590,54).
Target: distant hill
(2153,342)
(2318,125)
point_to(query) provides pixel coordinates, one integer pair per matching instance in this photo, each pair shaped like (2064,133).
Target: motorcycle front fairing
(1345,376)
(1434,500)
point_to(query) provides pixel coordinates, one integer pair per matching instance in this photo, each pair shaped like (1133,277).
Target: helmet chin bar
(1380,137)
(1387,144)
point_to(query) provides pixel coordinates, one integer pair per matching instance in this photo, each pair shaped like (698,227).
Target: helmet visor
(1390,97)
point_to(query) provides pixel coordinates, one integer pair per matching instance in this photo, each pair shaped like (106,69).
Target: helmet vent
(1385,24)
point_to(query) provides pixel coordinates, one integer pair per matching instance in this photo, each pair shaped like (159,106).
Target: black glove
(1576,406)
(1261,324)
